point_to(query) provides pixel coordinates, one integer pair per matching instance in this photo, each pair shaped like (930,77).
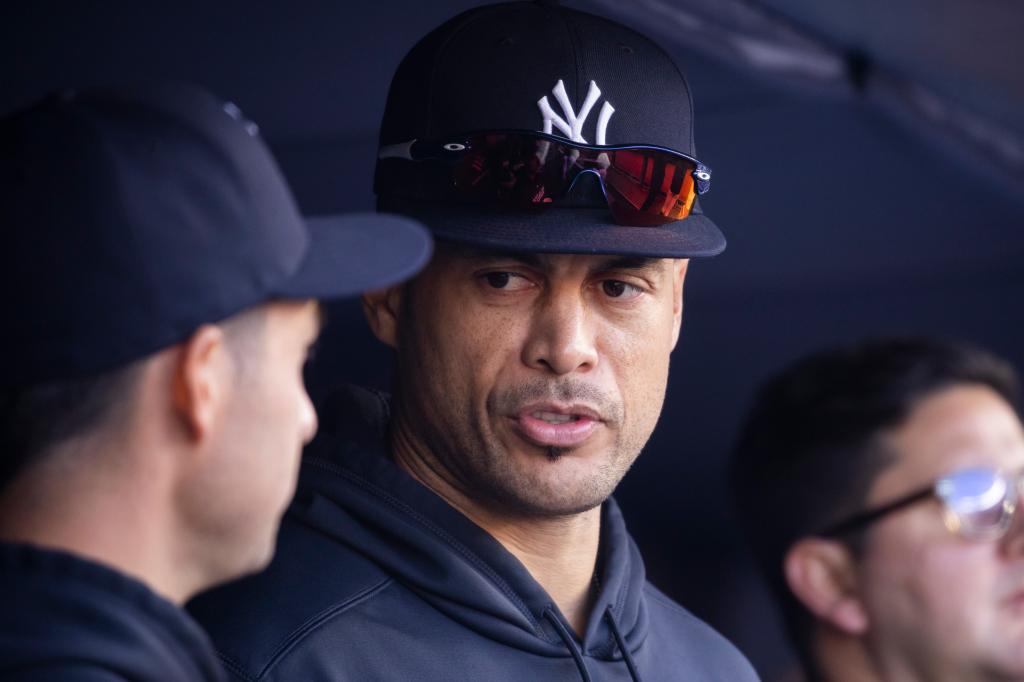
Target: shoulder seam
(319,619)
(301,632)
(463,551)
(234,667)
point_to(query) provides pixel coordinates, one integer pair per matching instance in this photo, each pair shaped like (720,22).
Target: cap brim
(353,253)
(566,230)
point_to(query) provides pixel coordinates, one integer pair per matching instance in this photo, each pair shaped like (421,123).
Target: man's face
(947,607)
(255,450)
(534,380)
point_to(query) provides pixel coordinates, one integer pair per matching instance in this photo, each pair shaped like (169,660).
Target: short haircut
(811,446)
(36,419)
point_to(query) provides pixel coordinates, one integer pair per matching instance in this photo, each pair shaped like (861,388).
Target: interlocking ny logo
(572,125)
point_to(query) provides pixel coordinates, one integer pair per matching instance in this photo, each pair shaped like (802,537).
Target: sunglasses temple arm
(402,150)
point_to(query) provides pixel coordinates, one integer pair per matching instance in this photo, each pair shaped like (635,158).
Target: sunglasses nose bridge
(586,189)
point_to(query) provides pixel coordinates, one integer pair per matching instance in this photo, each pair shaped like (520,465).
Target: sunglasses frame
(453,147)
(951,519)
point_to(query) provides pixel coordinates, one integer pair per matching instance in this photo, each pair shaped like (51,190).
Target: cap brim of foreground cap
(357,252)
(567,230)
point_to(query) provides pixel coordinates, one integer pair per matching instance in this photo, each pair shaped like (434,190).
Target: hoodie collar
(351,488)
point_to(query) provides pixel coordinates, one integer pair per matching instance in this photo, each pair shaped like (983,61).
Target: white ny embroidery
(572,125)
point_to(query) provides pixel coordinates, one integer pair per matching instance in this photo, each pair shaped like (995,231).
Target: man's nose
(562,338)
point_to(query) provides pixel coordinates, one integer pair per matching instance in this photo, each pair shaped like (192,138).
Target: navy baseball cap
(537,66)
(131,217)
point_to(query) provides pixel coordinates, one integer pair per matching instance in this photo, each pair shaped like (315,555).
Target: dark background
(844,220)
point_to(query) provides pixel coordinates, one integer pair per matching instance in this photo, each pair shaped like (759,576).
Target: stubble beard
(492,476)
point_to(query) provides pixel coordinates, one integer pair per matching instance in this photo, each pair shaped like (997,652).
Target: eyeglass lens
(979,502)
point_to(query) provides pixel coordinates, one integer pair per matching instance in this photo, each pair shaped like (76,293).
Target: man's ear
(823,576)
(382,309)
(679,269)
(202,378)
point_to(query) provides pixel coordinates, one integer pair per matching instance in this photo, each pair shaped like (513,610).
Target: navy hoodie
(378,578)
(65,618)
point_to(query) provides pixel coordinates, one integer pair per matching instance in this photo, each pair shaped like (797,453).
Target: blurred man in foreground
(160,295)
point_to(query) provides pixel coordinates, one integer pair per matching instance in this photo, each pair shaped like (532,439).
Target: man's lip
(573,409)
(546,434)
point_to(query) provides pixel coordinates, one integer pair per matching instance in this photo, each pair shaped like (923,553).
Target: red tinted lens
(515,170)
(644,187)
(649,187)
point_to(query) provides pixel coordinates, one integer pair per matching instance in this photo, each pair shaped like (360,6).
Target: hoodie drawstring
(626,656)
(577,655)
(568,640)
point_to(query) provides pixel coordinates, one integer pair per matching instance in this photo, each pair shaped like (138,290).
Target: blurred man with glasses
(879,486)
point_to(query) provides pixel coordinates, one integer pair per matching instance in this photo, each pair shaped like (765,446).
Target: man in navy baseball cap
(464,529)
(162,292)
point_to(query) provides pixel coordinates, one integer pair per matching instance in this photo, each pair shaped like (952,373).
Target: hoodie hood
(64,616)
(358,495)
(377,577)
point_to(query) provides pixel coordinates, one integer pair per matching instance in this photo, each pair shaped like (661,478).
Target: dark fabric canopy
(949,70)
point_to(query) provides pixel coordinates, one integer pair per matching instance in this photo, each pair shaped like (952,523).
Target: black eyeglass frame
(868,517)
(1014,480)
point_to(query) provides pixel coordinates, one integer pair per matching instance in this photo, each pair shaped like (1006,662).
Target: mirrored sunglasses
(530,171)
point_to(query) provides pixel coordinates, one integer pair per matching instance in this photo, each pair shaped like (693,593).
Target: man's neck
(559,552)
(843,658)
(98,516)
(856,659)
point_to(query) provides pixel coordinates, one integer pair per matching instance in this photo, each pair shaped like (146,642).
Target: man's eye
(614,288)
(498,280)
(507,281)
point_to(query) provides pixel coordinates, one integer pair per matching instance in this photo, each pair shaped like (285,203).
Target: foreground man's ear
(202,376)
(679,268)
(382,309)
(823,576)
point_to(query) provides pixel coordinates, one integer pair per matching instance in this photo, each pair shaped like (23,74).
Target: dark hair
(811,446)
(35,419)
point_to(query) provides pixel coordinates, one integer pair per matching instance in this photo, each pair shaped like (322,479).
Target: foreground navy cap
(538,66)
(129,218)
